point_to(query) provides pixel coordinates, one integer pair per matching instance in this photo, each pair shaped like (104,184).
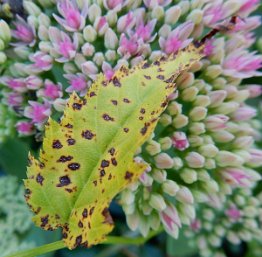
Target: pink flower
(236,177)
(213,12)
(107,70)
(126,22)
(50,91)
(144,31)
(127,46)
(248,7)
(38,113)
(77,83)
(23,32)
(63,44)
(17,84)
(13,99)
(216,122)
(242,64)
(254,90)
(33,82)
(41,61)
(74,20)
(113,4)
(25,128)
(256,157)
(233,213)
(179,141)
(208,49)
(101,25)
(244,113)
(177,39)
(171,220)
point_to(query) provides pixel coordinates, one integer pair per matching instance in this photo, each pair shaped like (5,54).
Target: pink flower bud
(33,82)
(179,141)
(236,177)
(51,91)
(233,213)
(171,220)
(254,90)
(244,113)
(164,161)
(216,122)
(195,160)
(25,128)
(41,61)
(256,157)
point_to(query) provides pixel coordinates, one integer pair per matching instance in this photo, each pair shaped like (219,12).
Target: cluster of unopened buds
(203,149)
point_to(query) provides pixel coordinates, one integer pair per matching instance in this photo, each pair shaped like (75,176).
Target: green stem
(60,245)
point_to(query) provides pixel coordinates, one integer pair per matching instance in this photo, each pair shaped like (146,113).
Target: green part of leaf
(87,158)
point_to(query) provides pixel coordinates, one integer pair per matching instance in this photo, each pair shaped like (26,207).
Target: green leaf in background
(13,157)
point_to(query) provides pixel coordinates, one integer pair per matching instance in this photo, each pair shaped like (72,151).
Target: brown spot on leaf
(147,77)
(116,82)
(92,94)
(80,224)
(64,235)
(128,175)
(114,162)
(145,65)
(39,179)
(64,158)
(157,63)
(102,173)
(110,176)
(87,134)
(107,117)
(44,221)
(141,118)
(95,183)
(104,163)
(73,166)
(112,151)
(69,125)
(161,77)
(64,181)
(77,106)
(114,102)
(142,110)
(71,141)
(125,100)
(126,129)
(144,129)
(78,240)
(91,211)
(85,213)
(57,144)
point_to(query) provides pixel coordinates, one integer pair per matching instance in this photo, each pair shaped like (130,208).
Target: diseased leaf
(87,158)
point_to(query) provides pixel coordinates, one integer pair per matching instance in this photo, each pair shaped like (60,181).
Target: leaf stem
(60,244)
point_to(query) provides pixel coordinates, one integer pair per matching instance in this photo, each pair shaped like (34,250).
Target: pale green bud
(111,40)
(185,6)
(165,119)
(94,12)
(195,140)
(202,100)
(198,113)
(225,158)
(31,8)
(110,55)
(43,33)
(88,49)
(213,71)
(203,175)
(208,150)
(228,107)
(189,176)
(89,34)
(157,202)
(132,221)
(5,33)
(146,209)
(111,18)
(217,97)
(159,175)
(214,240)
(195,16)
(2,58)
(158,12)
(189,94)
(154,221)
(197,128)
(60,104)
(210,164)
(164,161)
(170,187)
(172,14)
(127,197)
(232,237)
(178,163)
(185,80)
(174,108)
(165,143)
(222,136)
(195,160)
(180,121)
(153,147)
(99,58)
(184,195)
(165,30)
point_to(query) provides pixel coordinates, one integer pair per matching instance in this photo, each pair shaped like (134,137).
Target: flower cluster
(15,217)
(204,146)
